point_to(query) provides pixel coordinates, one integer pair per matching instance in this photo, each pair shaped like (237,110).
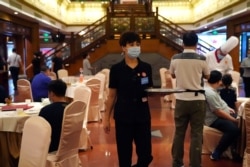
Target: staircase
(158,34)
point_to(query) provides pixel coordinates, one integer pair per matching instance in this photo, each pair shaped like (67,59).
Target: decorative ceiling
(152,0)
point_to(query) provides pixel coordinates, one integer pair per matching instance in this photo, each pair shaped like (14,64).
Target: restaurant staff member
(219,59)
(128,98)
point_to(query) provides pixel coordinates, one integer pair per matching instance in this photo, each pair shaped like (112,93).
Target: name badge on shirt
(144,99)
(144,80)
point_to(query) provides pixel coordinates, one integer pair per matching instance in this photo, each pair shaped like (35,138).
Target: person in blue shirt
(40,84)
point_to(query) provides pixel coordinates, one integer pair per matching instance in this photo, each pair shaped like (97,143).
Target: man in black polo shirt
(128,81)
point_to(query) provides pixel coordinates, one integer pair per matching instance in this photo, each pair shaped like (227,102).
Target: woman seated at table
(218,116)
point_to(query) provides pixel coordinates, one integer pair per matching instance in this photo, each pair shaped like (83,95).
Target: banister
(104,28)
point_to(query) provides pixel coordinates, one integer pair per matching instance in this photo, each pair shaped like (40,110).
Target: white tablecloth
(71,86)
(10,121)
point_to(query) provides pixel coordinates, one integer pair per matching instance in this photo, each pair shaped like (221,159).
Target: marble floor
(104,153)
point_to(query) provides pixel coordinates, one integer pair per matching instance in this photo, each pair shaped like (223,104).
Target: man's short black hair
(190,38)
(38,53)
(44,68)
(215,76)
(227,79)
(129,37)
(58,87)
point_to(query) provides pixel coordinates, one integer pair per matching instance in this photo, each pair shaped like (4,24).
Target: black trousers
(230,133)
(246,81)
(14,71)
(140,133)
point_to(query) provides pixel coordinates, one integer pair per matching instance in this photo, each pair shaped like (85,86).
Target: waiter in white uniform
(219,59)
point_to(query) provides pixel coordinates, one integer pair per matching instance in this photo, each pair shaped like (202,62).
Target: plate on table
(2,104)
(32,111)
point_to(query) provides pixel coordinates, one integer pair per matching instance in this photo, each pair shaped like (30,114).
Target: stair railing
(171,33)
(153,25)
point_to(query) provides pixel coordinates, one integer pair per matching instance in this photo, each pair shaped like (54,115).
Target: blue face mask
(134,52)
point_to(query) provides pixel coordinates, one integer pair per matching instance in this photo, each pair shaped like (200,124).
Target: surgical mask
(134,52)
(220,56)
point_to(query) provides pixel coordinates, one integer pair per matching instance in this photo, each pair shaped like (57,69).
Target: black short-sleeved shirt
(229,96)
(36,62)
(53,113)
(132,102)
(58,63)
(3,94)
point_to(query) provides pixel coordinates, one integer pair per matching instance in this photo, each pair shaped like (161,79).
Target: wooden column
(231,30)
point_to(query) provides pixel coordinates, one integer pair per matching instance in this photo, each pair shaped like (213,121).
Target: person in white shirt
(219,59)
(86,65)
(15,63)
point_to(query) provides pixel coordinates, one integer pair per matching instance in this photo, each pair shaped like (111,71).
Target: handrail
(82,43)
(93,24)
(90,36)
(202,47)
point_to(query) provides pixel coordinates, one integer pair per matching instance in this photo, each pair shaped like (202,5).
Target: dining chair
(102,97)
(106,72)
(67,153)
(24,91)
(162,72)
(62,73)
(35,142)
(236,81)
(172,96)
(211,138)
(94,113)
(83,93)
(246,158)
(167,81)
(52,75)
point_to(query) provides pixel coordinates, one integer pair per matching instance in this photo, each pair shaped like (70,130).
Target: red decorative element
(216,56)
(15,106)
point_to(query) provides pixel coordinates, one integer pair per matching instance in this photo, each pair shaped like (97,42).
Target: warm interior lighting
(81,33)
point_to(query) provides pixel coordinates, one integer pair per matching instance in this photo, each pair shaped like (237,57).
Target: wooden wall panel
(112,46)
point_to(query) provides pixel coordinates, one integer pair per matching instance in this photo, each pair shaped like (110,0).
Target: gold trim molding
(76,13)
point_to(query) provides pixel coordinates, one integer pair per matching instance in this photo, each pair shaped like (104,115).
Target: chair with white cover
(62,73)
(236,81)
(52,75)
(162,72)
(35,142)
(102,98)
(246,158)
(211,138)
(94,113)
(67,153)
(106,71)
(83,93)
(172,96)
(24,91)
